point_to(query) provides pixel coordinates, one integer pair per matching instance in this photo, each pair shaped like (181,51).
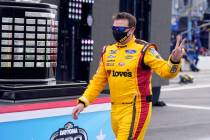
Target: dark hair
(124,15)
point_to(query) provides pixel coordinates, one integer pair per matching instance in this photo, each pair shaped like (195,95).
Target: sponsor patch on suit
(128,57)
(121,64)
(155,53)
(130,51)
(111,56)
(113,52)
(109,64)
(174,69)
(110,60)
(121,74)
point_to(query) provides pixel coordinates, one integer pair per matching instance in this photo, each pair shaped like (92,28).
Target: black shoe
(195,69)
(160,104)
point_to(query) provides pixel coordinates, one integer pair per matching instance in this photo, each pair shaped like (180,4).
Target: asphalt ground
(187,114)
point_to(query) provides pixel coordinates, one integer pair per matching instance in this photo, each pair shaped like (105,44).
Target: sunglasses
(119,28)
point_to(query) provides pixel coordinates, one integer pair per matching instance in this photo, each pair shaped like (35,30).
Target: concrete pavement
(187,114)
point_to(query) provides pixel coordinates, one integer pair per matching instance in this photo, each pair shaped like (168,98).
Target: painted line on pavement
(185,87)
(189,106)
(208,138)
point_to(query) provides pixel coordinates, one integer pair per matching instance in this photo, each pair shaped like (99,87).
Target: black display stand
(16,92)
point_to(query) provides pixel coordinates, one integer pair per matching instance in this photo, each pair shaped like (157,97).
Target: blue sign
(89,126)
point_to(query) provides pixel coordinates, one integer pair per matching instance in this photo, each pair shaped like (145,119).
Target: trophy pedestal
(21,92)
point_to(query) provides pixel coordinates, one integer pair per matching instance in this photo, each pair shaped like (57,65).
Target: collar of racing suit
(127,44)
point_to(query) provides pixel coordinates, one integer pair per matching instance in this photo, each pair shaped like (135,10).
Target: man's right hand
(77,109)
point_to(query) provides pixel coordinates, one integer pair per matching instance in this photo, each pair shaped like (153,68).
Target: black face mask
(120,36)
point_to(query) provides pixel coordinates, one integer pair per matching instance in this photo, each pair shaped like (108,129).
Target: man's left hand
(178,52)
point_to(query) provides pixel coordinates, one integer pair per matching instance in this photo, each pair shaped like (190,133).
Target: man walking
(127,67)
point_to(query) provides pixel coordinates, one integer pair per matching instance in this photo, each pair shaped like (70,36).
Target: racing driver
(127,66)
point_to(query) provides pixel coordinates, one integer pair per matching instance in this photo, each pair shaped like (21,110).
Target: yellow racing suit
(127,69)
